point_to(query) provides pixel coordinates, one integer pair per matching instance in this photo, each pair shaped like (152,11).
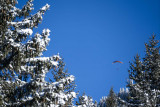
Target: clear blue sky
(91,34)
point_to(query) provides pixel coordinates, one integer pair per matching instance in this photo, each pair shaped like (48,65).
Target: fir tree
(123,96)
(86,101)
(136,82)
(102,102)
(109,101)
(22,69)
(60,73)
(144,84)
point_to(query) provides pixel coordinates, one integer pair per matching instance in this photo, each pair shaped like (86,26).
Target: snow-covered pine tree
(102,102)
(123,96)
(22,69)
(144,83)
(61,73)
(136,79)
(151,63)
(110,100)
(86,101)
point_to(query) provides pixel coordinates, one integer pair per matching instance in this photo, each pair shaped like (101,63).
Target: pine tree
(22,69)
(86,101)
(109,101)
(60,73)
(144,84)
(137,82)
(123,97)
(152,71)
(102,102)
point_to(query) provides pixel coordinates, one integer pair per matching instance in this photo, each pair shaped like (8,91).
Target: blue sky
(91,34)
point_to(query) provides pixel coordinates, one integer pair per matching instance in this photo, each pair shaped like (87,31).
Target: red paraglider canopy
(117,62)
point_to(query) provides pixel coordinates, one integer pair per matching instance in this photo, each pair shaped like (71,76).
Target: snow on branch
(44,8)
(16,12)
(61,96)
(52,60)
(32,21)
(24,70)
(25,31)
(53,93)
(38,43)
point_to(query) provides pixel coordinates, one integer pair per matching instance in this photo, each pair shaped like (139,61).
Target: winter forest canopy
(23,68)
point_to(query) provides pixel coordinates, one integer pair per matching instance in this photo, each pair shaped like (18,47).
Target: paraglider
(117,62)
